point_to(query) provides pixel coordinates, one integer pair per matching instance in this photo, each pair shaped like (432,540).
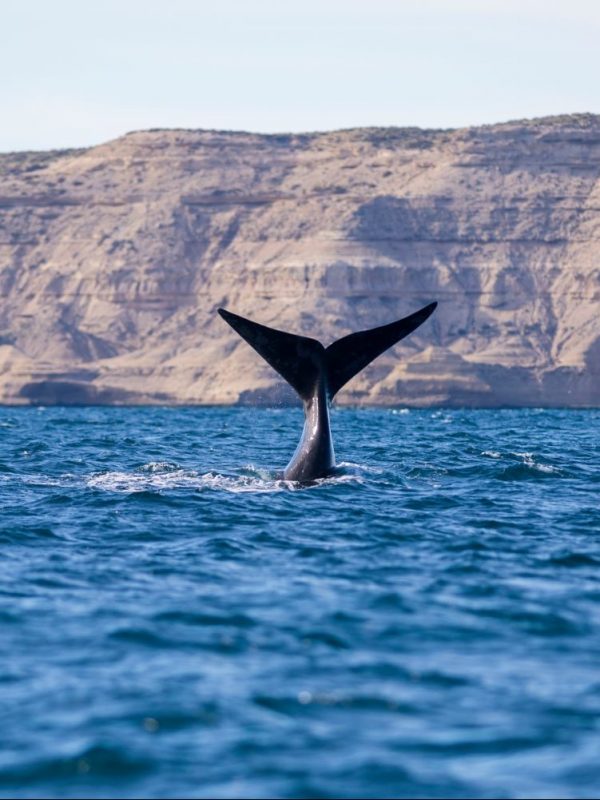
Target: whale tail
(303,361)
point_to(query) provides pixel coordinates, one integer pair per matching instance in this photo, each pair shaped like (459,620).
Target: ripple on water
(179,621)
(95,760)
(524,466)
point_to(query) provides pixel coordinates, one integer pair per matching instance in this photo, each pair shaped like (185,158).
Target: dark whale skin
(317,374)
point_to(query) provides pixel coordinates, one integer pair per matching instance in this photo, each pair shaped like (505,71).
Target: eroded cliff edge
(114,259)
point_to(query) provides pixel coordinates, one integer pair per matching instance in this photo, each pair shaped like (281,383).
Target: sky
(78,73)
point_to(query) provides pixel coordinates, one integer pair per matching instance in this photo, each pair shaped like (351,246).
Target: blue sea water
(175,621)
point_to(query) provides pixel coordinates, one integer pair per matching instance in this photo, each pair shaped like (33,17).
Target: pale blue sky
(78,73)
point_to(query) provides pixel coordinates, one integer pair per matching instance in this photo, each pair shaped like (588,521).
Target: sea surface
(177,622)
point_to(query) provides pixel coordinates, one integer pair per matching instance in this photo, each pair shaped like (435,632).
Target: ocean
(176,621)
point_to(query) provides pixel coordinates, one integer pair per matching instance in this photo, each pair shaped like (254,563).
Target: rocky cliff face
(113,261)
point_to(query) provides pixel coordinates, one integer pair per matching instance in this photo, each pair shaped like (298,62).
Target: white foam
(160,466)
(162,476)
(527,459)
(357,469)
(154,480)
(443,416)
(46,480)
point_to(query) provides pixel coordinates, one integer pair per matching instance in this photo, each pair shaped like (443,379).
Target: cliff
(114,259)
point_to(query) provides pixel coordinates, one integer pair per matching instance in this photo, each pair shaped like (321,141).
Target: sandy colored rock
(114,259)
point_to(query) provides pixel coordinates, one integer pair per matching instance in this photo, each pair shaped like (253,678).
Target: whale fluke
(298,359)
(348,356)
(317,374)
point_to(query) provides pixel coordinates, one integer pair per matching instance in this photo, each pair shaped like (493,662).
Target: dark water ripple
(176,621)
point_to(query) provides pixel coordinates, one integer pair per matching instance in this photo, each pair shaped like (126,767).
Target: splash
(165,476)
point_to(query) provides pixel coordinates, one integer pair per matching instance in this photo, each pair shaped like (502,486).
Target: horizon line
(590,115)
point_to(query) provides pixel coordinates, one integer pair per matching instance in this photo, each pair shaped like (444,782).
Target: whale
(317,373)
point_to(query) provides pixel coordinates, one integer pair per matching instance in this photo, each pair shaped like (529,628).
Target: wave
(523,466)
